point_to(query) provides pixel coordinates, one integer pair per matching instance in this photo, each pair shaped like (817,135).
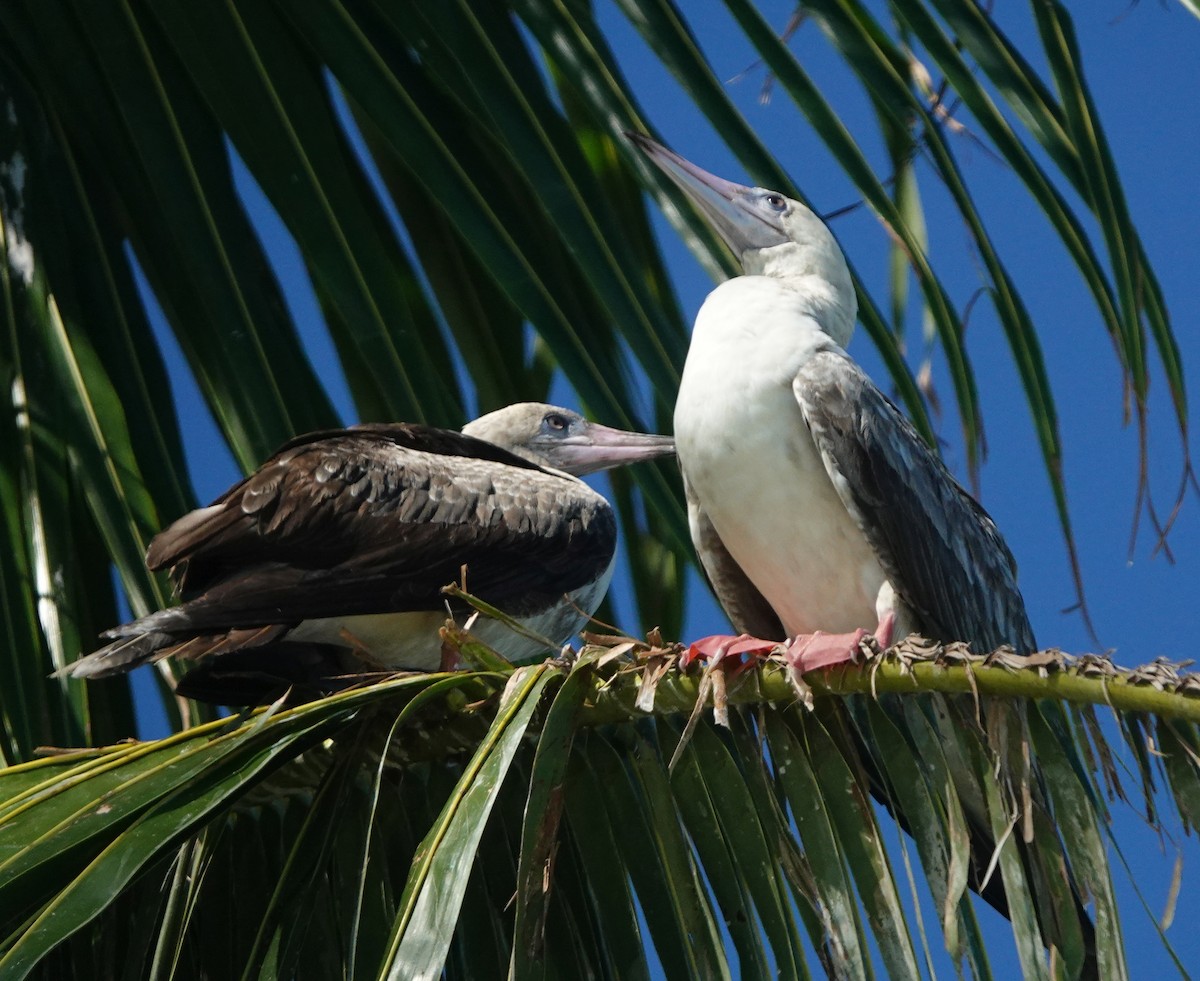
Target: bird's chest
(750,460)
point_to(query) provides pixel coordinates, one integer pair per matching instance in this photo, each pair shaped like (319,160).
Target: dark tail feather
(235,639)
(140,643)
(123,654)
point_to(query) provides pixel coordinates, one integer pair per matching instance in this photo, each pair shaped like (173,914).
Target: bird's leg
(448,658)
(885,630)
(821,650)
(720,646)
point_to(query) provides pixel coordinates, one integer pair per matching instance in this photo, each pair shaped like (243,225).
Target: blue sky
(1142,61)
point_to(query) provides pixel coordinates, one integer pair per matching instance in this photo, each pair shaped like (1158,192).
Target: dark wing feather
(188,535)
(376,520)
(940,549)
(747,609)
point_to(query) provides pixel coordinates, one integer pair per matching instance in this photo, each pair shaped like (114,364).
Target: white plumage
(814,504)
(748,455)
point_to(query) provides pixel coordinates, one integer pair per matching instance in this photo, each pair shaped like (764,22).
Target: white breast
(748,456)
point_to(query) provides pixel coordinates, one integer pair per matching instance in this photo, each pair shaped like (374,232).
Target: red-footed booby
(814,504)
(330,559)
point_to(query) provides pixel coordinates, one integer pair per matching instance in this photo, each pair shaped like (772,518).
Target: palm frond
(442,822)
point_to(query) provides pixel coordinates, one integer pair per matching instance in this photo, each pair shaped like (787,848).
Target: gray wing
(745,606)
(942,552)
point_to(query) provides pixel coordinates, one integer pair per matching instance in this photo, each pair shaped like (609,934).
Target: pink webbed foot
(718,647)
(806,652)
(821,650)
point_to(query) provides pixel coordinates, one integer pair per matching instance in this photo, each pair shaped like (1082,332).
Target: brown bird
(330,559)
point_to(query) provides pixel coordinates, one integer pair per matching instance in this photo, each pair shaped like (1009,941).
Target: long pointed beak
(602,448)
(729,207)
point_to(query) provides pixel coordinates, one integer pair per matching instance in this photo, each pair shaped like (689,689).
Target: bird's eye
(555,423)
(776,202)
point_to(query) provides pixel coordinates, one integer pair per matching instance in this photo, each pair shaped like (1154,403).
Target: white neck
(816,271)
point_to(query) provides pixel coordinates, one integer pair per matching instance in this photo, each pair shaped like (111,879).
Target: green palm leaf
(765,828)
(454,180)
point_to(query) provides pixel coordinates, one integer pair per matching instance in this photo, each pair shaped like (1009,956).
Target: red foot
(806,652)
(821,650)
(720,646)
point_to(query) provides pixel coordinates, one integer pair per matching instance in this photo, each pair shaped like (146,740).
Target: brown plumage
(333,554)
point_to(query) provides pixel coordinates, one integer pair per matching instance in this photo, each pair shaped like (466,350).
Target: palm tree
(451,181)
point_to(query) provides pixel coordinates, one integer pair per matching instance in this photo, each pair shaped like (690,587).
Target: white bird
(330,559)
(814,504)
(816,508)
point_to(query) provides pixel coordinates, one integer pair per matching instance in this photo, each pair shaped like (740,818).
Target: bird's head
(771,234)
(551,436)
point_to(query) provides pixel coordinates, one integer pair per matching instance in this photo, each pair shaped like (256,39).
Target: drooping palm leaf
(764,830)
